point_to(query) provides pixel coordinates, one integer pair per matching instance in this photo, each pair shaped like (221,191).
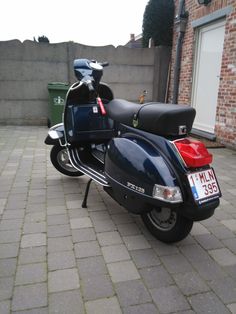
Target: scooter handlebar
(104,64)
(75,85)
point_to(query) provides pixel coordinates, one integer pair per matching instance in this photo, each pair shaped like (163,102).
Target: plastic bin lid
(58,85)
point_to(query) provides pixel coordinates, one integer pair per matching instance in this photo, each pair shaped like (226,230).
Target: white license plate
(204,185)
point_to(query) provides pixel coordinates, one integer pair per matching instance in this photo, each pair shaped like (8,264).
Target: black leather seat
(157,118)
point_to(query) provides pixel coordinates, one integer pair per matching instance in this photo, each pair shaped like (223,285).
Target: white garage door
(209,49)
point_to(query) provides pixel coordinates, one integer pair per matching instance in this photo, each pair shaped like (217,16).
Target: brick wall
(226,107)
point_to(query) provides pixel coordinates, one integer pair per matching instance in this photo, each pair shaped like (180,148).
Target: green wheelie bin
(57,96)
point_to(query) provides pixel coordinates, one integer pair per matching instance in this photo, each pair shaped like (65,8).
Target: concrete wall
(26,69)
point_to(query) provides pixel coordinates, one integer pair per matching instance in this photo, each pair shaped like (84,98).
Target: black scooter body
(129,154)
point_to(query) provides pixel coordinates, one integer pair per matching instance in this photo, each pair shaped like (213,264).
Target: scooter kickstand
(84,204)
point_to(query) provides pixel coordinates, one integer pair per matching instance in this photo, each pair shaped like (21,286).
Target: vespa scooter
(140,154)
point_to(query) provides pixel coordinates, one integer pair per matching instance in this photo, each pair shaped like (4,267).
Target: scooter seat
(156,118)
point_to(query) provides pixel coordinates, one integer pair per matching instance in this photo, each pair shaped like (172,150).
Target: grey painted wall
(26,69)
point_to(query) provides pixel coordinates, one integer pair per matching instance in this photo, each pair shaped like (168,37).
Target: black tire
(167,225)
(60,160)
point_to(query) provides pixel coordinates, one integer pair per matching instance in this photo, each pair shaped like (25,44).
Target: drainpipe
(181,22)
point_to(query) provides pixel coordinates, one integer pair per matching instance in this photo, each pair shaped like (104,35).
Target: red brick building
(207,78)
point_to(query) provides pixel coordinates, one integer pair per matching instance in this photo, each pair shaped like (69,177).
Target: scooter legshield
(133,167)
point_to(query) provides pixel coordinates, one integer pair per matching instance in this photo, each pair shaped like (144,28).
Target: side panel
(137,166)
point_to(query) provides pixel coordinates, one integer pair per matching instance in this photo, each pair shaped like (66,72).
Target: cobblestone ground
(56,257)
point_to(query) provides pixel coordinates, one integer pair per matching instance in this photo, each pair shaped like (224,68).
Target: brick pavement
(56,257)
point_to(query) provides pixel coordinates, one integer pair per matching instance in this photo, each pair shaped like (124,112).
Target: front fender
(55,135)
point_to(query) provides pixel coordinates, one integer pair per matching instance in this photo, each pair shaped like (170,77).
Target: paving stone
(78,223)
(221,232)
(86,249)
(8,250)
(34,227)
(195,253)
(61,260)
(115,253)
(62,280)
(190,283)
(13,214)
(225,289)
(57,220)
(30,240)
(108,305)
(96,207)
(97,287)
(176,263)
(73,204)
(78,213)
(66,302)
(210,270)
(11,224)
(60,244)
(198,229)
(5,307)
(136,242)
(31,273)
(104,225)
(32,255)
(123,271)
(147,308)
(30,296)
(156,277)
(122,218)
(162,249)
(223,256)
(99,215)
(10,236)
(109,238)
(128,229)
(6,287)
(58,231)
(209,241)
(145,258)
(41,310)
(211,222)
(56,210)
(231,244)
(91,266)
(230,224)
(169,299)
(207,303)
(83,235)
(7,267)
(232,308)
(132,292)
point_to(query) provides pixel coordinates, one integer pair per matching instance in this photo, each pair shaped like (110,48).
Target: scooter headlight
(167,193)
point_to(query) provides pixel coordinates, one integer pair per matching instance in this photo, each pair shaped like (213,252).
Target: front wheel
(167,225)
(60,160)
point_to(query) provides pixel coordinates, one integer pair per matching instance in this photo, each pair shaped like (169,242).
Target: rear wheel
(167,225)
(60,160)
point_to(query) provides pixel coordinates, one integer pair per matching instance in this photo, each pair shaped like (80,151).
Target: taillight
(194,153)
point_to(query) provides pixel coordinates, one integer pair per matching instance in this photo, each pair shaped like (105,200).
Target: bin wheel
(60,160)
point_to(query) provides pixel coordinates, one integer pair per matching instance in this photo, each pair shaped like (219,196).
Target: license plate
(204,185)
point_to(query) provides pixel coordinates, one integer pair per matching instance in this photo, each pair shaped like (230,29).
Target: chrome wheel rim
(163,219)
(64,161)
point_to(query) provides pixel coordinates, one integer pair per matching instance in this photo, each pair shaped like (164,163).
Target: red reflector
(194,153)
